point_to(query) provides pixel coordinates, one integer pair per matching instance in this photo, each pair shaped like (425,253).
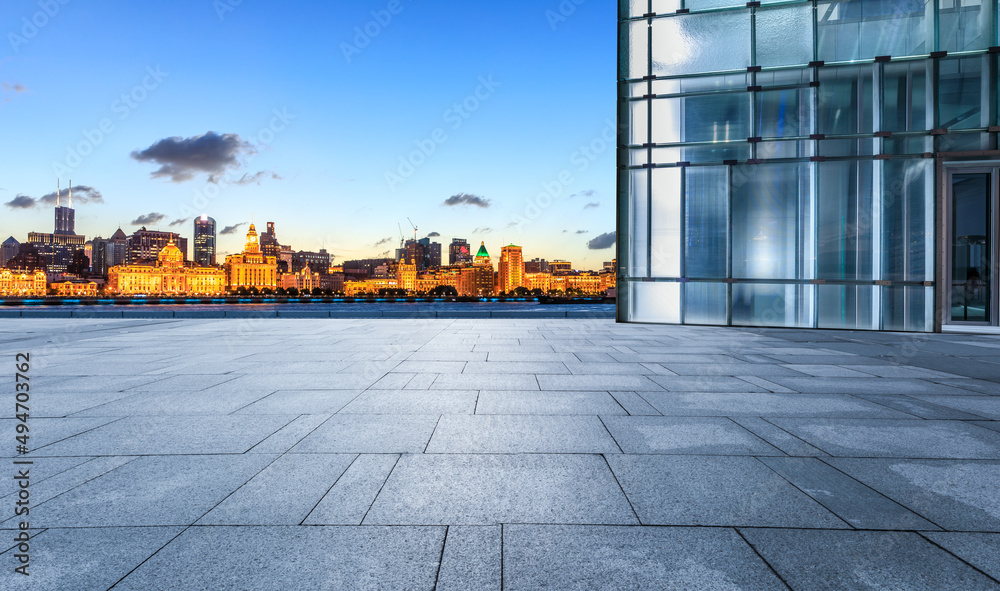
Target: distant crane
(414,229)
(402,240)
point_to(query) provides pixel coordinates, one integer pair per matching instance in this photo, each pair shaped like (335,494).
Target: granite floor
(500,454)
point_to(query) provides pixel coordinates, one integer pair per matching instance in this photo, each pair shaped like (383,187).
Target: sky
(338,121)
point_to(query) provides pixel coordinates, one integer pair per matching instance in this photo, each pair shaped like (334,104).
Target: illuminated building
(252,268)
(542,281)
(406,275)
(828,164)
(169,276)
(536,266)
(482,257)
(304,280)
(75,288)
(459,252)
(320,261)
(22,283)
(368,286)
(204,241)
(107,253)
(511,269)
(144,246)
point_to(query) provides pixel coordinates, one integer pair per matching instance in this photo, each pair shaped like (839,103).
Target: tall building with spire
(65,216)
(251,268)
(57,248)
(477,280)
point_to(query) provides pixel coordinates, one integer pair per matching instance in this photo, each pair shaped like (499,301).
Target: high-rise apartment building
(511,269)
(825,164)
(143,246)
(8,250)
(204,241)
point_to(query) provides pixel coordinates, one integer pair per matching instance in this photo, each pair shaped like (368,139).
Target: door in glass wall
(972,243)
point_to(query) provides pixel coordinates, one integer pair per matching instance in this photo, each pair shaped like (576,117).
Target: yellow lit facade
(251,268)
(22,283)
(168,277)
(511,269)
(304,280)
(368,286)
(75,289)
(406,275)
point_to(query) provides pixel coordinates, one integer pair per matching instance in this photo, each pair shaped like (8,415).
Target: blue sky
(337,136)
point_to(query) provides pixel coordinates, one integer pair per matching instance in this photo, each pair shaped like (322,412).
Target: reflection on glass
(971,247)
(960,93)
(706,222)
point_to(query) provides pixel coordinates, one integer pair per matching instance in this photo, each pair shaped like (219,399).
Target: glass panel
(844,209)
(706,222)
(770,150)
(655,302)
(772,227)
(846,306)
(863,29)
(965,142)
(904,96)
(907,145)
(908,308)
(634,63)
(705,303)
(665,256)
(701,84)
(907,218)
(706,118)
(707,4)
(965,25)
(846,98)
(772,305)
(971,247)
(638,223)
(784,35)
(698,43)
(835,148)
(638,126)
(664,6)
(783,113)
(960,93)
(717,153)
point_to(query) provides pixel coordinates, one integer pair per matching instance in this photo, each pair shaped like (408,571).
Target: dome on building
(170,256)
(482,250)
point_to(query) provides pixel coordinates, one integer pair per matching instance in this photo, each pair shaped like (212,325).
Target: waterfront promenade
(511,454)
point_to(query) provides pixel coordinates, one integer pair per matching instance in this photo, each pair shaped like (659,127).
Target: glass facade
(779,161)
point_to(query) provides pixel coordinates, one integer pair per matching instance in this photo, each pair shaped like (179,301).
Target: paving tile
(828,371)
(765,404)
(284,438)
(488,434)
(917,408)
(685,435)
(980,550)
(493,489)
(521,402)
(612,368)
(957,496)
(151,490)
(706,490)
(170,435)
(183,383)
(393,381)
(46,431)
(892,438)
(850,500)
(705,384)
(283,493)
(471,559)
(835,560)
(634,404)
(489,381)
(300,402)
(610,557)
(972,385)
(515,367)
(986,407)
(348,500)
(873,385)
(267,558)
(421,381)
(158,403)
(597,382)
(413,402)
(94,558)
(991,425)
(531,357)
(422,366)
(353,433)
(446,356)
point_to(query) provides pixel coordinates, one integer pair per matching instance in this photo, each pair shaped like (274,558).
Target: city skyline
(260,112)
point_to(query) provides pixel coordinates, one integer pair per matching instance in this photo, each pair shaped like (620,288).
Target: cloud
(582,231)
(81,194)
(232,229)
(254,179)
(587,193)
(181,159)
(148,219)
(482,230)
(21,202)
(603,241)
(592,205)
(383,241)
(467,199)
(178,222)
(16,88)
(433,234)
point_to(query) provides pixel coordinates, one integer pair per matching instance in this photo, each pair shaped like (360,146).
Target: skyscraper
(828,164)
(459,252)
(511,268)
(65,216)
(204,241)
(144,246)
(8,250)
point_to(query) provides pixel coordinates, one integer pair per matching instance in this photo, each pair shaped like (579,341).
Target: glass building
(825,164)
(204,241)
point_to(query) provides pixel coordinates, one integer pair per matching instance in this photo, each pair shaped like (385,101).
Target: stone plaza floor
(500,454)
